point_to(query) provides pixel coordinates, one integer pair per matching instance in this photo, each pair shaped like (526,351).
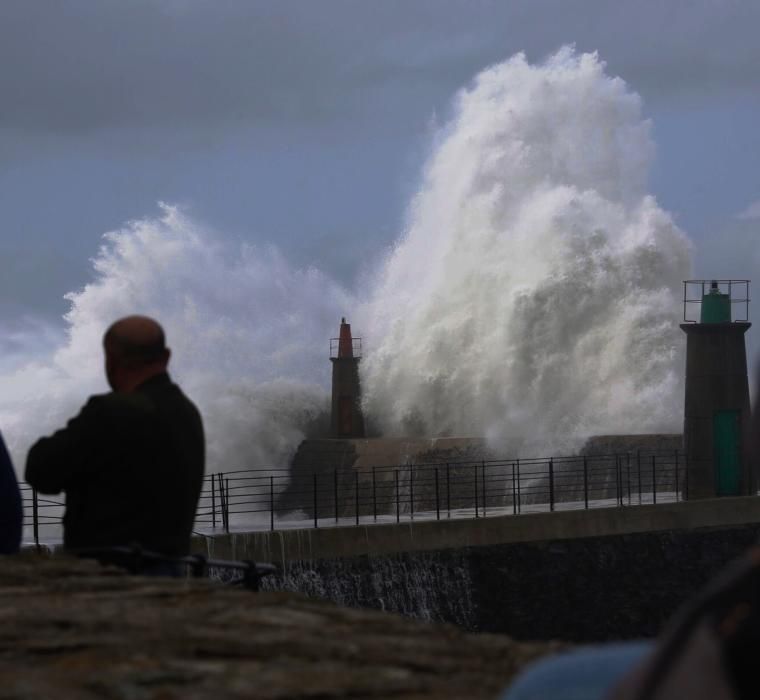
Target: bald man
(131,462)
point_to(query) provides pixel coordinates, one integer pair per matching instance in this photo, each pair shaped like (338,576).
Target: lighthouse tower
(716,405)
(346,419)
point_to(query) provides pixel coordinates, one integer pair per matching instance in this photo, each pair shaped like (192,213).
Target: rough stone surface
(72,629)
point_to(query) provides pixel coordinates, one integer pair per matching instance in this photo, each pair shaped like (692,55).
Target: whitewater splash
(247,332)
(534,297)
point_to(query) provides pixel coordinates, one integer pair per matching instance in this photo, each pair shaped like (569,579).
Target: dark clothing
(131,466)
(11,514)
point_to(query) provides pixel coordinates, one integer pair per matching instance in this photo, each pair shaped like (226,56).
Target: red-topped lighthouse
(346,420)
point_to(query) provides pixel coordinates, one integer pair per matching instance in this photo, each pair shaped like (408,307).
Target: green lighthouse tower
(716,403)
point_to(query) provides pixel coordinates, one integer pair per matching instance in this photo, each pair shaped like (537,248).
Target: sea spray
(247,330)
(534,297)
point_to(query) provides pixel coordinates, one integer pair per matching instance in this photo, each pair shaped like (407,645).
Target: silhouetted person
(131,463)
(10,505)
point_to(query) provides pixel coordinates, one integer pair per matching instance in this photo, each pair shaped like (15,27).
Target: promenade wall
(600,574)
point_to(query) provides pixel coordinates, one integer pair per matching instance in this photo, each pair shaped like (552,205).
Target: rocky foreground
(72,629)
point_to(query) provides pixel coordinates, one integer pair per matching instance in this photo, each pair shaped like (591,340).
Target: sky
(307,124)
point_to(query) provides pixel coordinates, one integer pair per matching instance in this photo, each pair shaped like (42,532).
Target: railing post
(448,489)
(35,518)
(618,487)
(411,491)
(620,472)
(223,503)
(676,461)
(628,474)
(551,484)
(437,502)
(213,502)
(271,502)
(518,486)
(485,493)
(638,467)
(398,512)
(477,515)
(686,476)
(335,493)
(654,482)
(227,501)
(585,481)
(514,491)
(221,496)
(374,494)
(316,521)
(357,496)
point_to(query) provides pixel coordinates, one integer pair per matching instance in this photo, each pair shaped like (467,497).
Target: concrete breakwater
(577,576)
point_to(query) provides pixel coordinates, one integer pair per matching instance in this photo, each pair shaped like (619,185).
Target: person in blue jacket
(11,513)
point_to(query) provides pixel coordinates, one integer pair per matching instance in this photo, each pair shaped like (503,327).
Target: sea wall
(589,589)
(578,576)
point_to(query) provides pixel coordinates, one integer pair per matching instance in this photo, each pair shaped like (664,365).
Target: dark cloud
(306,122)
(83,65)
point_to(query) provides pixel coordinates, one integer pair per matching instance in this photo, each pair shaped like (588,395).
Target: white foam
(535,294)
(249,334)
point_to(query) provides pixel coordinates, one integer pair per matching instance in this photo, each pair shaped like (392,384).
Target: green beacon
(716,306)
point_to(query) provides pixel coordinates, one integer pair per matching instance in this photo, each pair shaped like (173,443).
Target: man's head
(135,350)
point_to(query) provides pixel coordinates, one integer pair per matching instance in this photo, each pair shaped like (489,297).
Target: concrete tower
(716,406)
(346,419)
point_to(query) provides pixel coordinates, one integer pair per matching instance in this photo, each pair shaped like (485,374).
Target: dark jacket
(10,505)
(131,466)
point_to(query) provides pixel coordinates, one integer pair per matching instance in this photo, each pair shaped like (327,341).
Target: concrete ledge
(337,542)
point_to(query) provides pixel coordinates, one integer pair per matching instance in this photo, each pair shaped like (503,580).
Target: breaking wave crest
(534,297)
(248,333)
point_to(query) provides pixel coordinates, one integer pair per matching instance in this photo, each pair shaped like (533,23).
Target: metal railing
(41,511)
(356,347)
(273,499)
(694,293)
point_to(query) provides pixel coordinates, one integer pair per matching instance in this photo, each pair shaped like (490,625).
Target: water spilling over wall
(533,297)
(580,590)
(428,587)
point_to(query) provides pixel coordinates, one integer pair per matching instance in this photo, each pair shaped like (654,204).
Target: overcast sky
(307,123)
